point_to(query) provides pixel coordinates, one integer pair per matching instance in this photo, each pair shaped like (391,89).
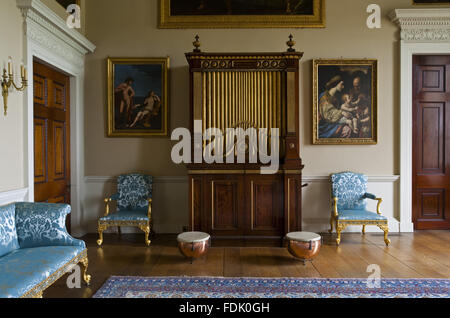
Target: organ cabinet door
(245,92)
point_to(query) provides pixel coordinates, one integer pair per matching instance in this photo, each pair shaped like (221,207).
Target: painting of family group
(345,107)
(137,98)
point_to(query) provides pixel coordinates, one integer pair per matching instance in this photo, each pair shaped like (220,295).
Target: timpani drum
(304,245)
(194,244)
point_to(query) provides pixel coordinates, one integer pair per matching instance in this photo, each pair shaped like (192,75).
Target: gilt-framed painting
(345,97)
(138,97)
(431,2)
(195,14)
(66,3)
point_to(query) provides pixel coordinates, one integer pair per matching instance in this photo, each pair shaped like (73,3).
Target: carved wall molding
(422,24)
(47,29)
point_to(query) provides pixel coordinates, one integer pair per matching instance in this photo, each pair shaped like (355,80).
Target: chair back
(134,191)
(349,188)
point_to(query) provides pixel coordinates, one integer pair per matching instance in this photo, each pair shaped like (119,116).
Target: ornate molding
(49,30)
(419,25)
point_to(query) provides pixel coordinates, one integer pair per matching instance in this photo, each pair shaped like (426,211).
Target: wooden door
(51,135)
(431,142)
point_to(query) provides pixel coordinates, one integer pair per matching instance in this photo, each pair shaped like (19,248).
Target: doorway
(51,103)
(431,142)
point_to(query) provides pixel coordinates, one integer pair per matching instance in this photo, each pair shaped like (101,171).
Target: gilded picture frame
(431,2)
(345,102)
(138,97)
(169,19)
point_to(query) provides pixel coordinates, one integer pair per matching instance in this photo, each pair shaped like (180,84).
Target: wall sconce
(8,81)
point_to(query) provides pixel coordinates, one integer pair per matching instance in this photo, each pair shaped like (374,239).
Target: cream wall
(131,31)
(12,164)
(346,35)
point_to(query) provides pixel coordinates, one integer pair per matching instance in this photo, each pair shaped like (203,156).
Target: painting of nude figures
(137,97)
(345,102)
(242,13)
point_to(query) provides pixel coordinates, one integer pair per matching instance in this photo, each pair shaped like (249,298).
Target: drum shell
(304,250)
(194,250)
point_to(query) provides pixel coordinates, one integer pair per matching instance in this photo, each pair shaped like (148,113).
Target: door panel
(51,135)
(265,205)
(431,142)
(224,206)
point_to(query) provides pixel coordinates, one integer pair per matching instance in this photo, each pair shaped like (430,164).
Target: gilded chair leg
(331,223)
(385,228)
(364,230)
(101,228)
(146,230)
(339,229)
(86,277)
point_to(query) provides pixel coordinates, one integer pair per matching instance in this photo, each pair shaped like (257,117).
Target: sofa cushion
(23,269)
(8,233)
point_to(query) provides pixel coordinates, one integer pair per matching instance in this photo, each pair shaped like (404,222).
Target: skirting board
(8,197)
(171,203)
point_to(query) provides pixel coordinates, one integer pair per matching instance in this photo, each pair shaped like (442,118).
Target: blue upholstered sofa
(35,248)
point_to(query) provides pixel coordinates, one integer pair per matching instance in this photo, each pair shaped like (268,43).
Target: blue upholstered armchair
(134,205)
(349,194)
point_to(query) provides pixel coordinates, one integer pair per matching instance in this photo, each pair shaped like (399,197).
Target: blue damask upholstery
(350,189)
(134,199)
(358,215)
(40,249)
(8,233)
(23,269)
(134,190)
(137,215)
(43,224)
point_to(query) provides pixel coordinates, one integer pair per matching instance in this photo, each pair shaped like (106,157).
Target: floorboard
(424,254)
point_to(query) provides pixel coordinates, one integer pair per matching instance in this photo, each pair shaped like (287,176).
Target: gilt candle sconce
(8,81)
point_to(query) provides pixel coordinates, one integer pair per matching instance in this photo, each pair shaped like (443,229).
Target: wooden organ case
(245,90)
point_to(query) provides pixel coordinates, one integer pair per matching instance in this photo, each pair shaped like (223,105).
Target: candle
(22,70)
(25,77)
(9,65)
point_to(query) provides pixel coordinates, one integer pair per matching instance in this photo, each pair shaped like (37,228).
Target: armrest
(374,197)
(114,197)
(108,200)
(43,224)
(150,201)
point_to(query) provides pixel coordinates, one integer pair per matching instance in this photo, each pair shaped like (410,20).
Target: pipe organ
(247,91)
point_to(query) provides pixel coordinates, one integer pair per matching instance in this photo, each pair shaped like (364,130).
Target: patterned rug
(215,287)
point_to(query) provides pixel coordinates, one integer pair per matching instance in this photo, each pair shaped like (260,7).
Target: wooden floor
(424,254)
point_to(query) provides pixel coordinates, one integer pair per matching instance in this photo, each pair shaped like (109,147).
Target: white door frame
(426,32)
(47,38)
